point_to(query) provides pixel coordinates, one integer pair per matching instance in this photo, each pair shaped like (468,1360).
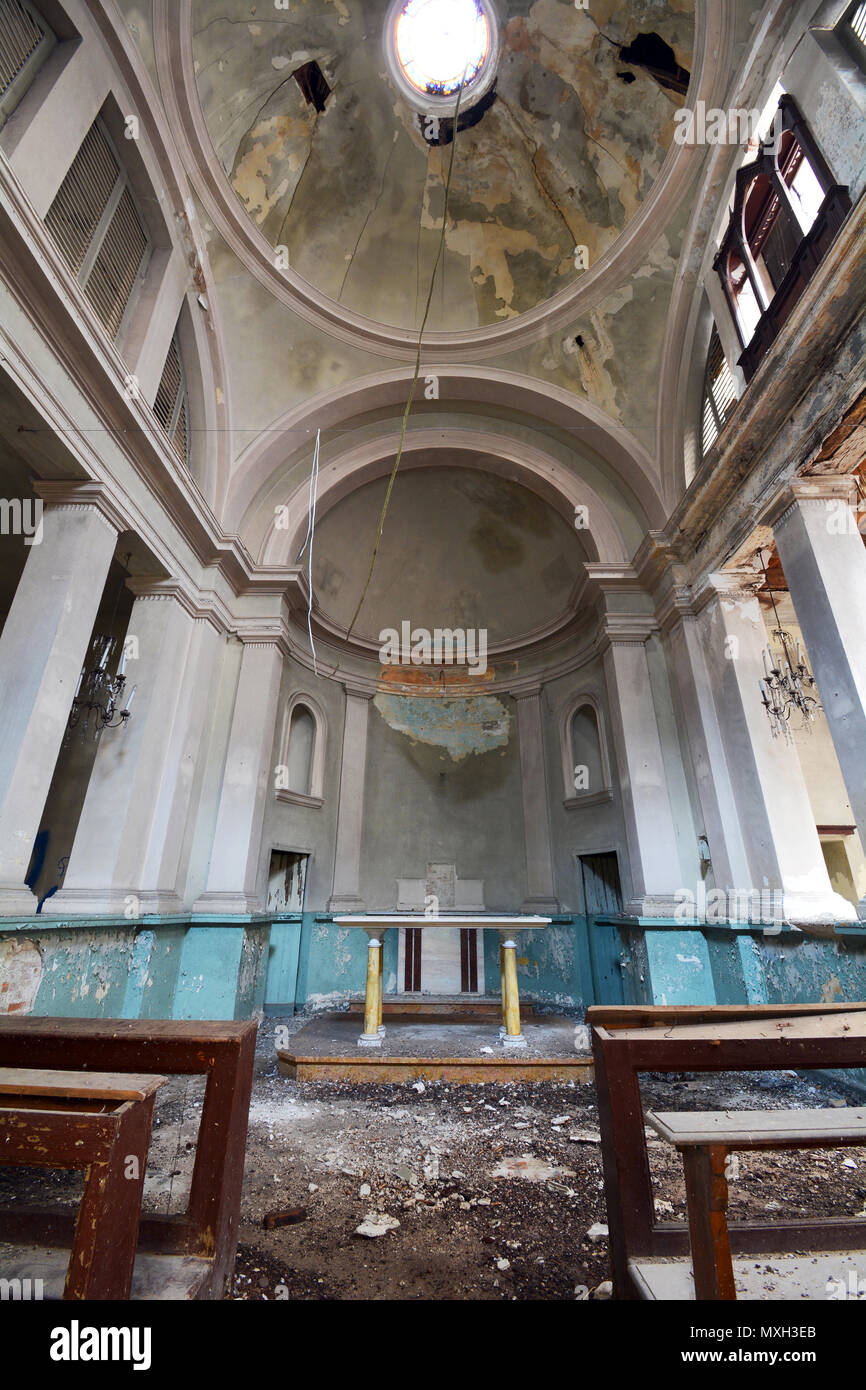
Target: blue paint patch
(461,727)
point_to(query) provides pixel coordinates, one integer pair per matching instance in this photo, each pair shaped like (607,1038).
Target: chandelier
(99,695)
(788,682)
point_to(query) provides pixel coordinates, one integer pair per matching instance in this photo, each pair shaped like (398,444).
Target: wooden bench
(704,1140)
(223,1052)
(630,1039)
(100,1122)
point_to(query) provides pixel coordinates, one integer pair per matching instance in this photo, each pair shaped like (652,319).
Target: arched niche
(585,763)
(301,762)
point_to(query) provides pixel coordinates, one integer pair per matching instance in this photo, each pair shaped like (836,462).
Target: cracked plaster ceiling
(563,156)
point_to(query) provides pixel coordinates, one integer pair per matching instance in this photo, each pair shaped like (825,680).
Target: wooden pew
(221,1051)
(705,1138)
(100,1122)
(630,1039)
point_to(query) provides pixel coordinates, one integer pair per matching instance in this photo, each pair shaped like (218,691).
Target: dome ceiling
(330,160)
(460,549)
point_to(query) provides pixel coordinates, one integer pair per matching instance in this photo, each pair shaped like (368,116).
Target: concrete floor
(437,1036)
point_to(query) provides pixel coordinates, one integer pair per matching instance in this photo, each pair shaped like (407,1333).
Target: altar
(376,924)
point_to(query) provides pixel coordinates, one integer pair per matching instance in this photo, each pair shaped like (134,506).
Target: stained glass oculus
(441,43)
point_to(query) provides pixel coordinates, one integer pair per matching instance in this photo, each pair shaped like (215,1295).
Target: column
(655,867)
(715,791)
(129,845)
(42,652)
(778,830)
(346,894)
(373,1030)
(540,897)
(510,1034)
(824,559)
(232,883)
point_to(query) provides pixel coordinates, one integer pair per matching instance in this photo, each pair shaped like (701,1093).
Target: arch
(584,746)
(460,387)
(304,723)
(546,477)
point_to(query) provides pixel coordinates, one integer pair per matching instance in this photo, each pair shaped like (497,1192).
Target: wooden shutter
(170,406)
(97,227)
(25,42)
(720,394)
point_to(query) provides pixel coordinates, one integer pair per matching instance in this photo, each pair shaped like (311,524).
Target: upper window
(786,212)
(720,394)
(96,223)
(25,42)
(171,406)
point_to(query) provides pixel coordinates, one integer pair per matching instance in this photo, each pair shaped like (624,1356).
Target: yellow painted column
(372,996)
(381,982)
(510,998)
(502,982)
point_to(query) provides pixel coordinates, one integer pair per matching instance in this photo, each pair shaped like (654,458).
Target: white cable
(311,531)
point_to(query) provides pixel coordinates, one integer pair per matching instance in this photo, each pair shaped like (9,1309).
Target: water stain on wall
(461,727)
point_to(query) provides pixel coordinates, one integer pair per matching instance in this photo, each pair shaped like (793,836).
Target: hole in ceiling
(650,52)
(312,83)
(440,129)
(626,77)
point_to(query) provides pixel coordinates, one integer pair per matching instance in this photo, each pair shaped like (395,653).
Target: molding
(91,495)
(588,799)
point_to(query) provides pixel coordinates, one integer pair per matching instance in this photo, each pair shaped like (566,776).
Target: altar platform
(436,1040)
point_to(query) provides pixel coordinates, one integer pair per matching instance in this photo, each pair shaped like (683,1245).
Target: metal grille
(170,406)
(23,33)
(720,394)
(857,23)
(115,269)
(96,225)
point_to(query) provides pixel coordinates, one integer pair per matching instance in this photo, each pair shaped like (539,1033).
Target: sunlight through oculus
(441,43)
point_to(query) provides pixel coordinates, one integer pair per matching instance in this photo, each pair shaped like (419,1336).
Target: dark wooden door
(602,897)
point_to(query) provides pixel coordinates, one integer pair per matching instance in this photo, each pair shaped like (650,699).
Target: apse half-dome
(461,548)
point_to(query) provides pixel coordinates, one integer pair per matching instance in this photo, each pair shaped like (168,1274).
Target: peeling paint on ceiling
(563,157)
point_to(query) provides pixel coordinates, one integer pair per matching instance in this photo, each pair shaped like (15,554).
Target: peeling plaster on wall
(461,727)
(564,155)
(21,973)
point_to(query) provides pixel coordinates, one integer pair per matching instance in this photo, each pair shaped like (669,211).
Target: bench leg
(106,1232)
(707,1198)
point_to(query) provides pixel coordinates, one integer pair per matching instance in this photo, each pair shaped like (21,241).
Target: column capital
(625,630)
(88,494)
(819,490)
(737,586)
(358,692)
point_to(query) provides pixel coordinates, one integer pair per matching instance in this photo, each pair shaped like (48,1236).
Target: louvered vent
(25,42)
(170,406)
(857,23)
(720,394)
(96,225)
